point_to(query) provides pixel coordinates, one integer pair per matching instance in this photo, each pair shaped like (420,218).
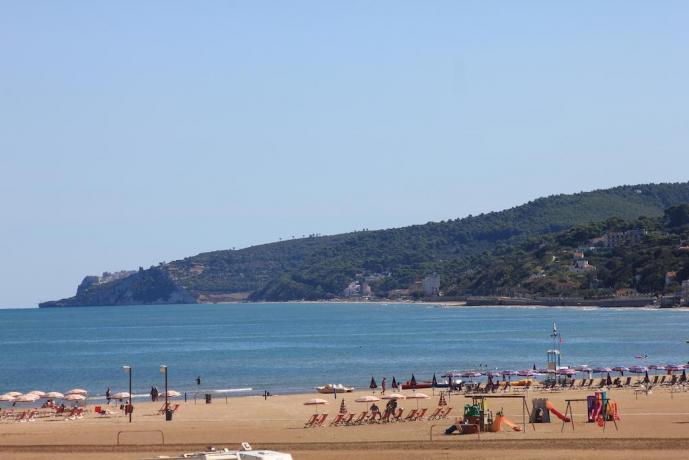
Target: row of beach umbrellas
(75,394)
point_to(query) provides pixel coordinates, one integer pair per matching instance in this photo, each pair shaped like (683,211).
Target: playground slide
(502,419)
(556,412)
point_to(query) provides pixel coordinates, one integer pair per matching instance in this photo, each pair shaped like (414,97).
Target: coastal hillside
(613,258)
(380,263)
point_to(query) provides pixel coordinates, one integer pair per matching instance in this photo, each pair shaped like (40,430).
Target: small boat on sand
(334,388)
(408,385)
(226,454)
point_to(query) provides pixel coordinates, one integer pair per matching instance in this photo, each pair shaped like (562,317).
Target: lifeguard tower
(553,355)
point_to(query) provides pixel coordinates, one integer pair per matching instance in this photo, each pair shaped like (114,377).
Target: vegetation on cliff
(321,267)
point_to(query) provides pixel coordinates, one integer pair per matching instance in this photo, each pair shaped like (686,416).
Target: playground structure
(600,410)
(477,414)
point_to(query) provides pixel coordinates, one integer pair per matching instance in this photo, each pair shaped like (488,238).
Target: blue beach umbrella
(373,384)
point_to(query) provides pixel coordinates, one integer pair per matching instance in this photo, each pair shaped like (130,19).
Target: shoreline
(490,303)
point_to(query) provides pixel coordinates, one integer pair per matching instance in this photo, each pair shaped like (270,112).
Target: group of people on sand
(154,394)
(390,409)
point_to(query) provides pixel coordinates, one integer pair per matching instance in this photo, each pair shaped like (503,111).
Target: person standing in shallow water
(108,395)
(382,385)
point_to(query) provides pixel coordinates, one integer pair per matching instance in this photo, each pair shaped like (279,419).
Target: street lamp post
(163,369)
(128,370)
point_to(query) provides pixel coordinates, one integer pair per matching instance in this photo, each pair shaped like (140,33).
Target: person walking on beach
(154,394)
(382,384)
(108,395)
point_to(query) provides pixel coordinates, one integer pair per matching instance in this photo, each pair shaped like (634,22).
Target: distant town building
(431,285)
(615,239)
(670,278)
(581,265)
(365,289)
(626,292)
(578,255)
(353,290)
(685,292)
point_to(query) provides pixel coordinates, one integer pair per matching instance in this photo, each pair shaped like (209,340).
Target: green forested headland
(465,252)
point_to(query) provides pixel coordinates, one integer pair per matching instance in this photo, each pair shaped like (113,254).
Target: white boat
(334,388)
(226,454)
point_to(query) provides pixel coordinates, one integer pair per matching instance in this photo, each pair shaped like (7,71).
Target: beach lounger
(309,423)
(75,413)
(360,419)
(627,382)
(655,380)
(662,380)
(320,420)
(397,417)
(410,417)
(673,381)
(446,413)
(590,384)
(386,417)
(420,415)
(337,420)
(347,420)
(435,414)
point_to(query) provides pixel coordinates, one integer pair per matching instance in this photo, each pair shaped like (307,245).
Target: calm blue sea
(291,347)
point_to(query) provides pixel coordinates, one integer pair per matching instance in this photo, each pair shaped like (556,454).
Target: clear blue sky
(133,132)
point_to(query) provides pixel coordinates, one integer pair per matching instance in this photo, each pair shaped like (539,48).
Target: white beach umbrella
(74,397)
(170,394)
(27,398)
(54,395)
(14,393)
(7,397)
(119,395)
(77,391)
(418,396)
(367,399)
(394,396)
(316,402)
(37,392)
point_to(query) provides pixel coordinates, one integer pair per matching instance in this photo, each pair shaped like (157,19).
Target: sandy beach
(651,426)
